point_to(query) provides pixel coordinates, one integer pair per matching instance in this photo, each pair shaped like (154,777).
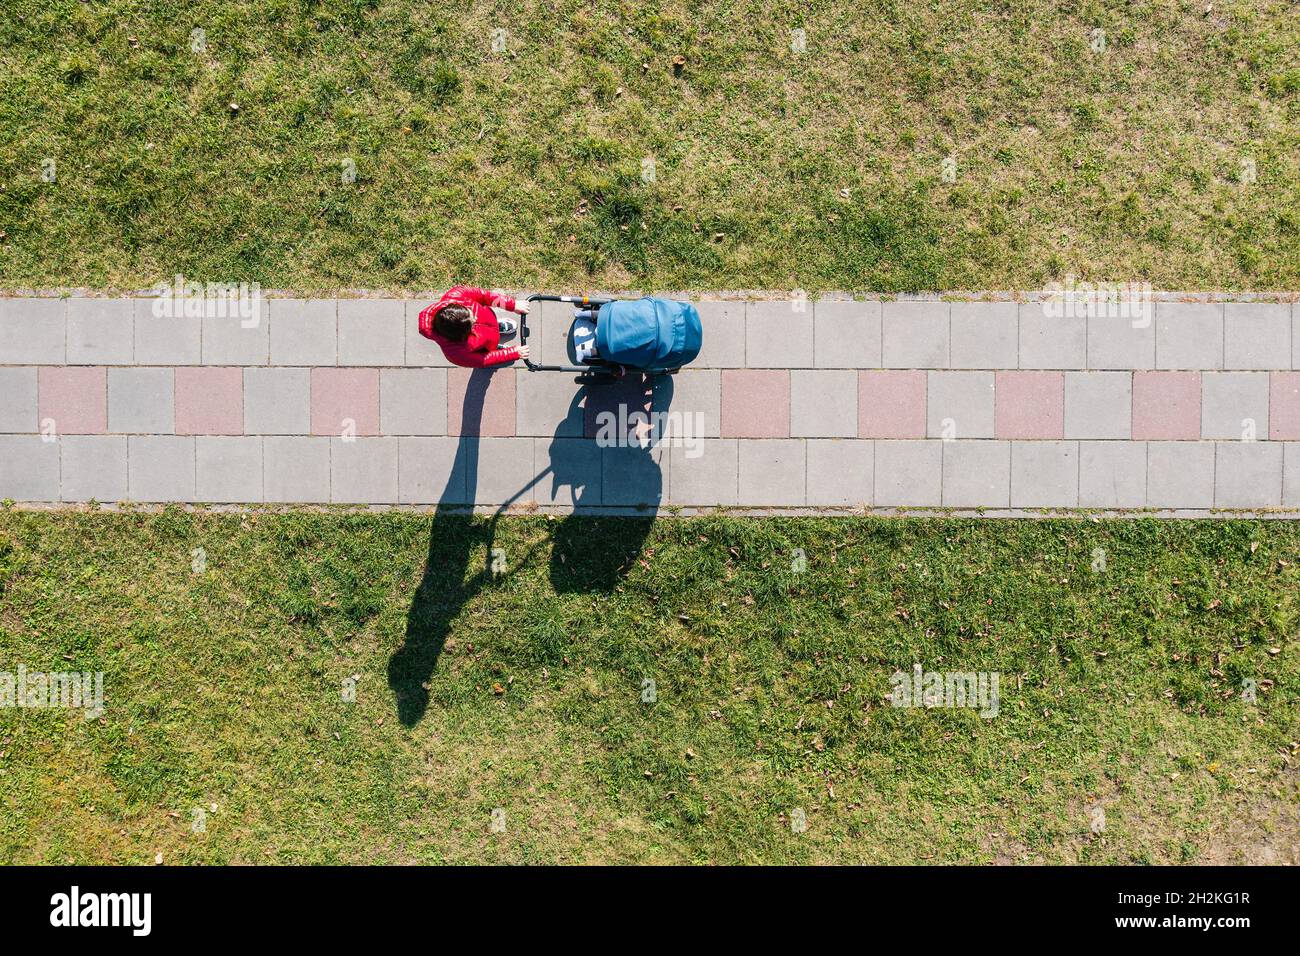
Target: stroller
(610,337)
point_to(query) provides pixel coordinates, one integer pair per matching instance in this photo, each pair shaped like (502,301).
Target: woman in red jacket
(465,327)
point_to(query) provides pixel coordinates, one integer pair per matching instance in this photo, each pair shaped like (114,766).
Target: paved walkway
(791,404)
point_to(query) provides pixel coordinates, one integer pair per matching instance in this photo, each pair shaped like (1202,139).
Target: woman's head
(453,322)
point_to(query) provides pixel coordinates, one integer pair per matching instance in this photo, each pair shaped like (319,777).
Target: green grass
(524,169)
(523,691)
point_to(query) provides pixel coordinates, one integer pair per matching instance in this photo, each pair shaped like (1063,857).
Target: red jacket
(480,349)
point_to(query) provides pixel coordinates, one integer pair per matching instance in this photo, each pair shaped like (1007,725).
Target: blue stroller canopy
(650,334)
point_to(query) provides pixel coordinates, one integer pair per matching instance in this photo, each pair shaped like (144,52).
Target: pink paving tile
(342,395)
(634,392)
(755,403)
(1284,406)
(481,401)
(74,397)
(891,404)
(1166,406)
(1029,405)
(209,401)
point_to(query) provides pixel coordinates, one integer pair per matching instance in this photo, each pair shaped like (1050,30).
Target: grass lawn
(524,691)
(772,168)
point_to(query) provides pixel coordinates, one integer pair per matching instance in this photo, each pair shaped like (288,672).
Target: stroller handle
(523,331)
(575,299)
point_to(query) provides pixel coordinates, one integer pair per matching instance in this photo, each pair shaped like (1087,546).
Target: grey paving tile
(160,468)
(419,350)
(693,400)
(984,335)
(432,470)
(228,469)
(549,404)
(1119,342)
(141,401)
(723,344)
(824,403)
(1189,335)
(303,331)
(18,399)
(914,334)
(33,331)
(1180,474)
(549,324)
(101,331)
(296,469)
(235,340)
(840,472)
(1050,342)
(29,468)
(277,401)
(372,332)
(1248,474)
(771,472)
(1112,474)
(1044,474)
(959,405)
(363,470)
(635,477)
(93,467)
(1257,335)
(779,334)
(164,339)
(1098,405)
(976,474)
(1234,405)
(413,401)
(1291,474)
(502,472)
(622,407)
(573,472)
(706,475)
(909,473)
(846,334)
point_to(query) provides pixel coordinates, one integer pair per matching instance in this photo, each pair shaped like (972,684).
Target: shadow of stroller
(592,554)
(587,553)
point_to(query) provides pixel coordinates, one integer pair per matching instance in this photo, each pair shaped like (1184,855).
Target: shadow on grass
(588,553)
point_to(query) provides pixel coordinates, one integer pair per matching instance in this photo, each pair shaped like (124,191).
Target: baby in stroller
(647,335)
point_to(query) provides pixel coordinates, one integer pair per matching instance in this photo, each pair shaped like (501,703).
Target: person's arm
(469,358)
(493,300)
(503,356)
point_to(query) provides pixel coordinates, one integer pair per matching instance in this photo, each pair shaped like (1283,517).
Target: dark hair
(453,322)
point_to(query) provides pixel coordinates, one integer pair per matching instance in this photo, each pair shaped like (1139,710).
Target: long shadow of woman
(444,588)
(446,585)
